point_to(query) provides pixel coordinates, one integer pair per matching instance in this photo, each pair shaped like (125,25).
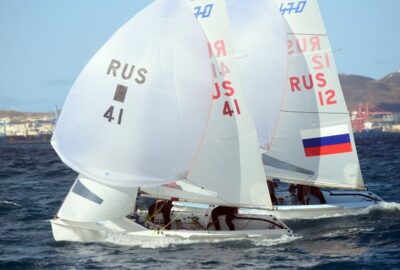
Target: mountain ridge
(384,92)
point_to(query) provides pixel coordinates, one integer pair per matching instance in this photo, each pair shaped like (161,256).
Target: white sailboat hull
(191,224)
(186,225)
(339,203)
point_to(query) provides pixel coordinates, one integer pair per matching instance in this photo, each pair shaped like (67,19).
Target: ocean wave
(347,231)
(10,203)
(379,207)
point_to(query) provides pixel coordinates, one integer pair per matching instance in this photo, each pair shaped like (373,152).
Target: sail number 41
(109,114)
(228,110)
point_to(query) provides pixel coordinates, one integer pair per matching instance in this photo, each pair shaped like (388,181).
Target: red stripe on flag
(328,150)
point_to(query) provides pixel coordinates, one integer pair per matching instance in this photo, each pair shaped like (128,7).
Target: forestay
(137,113)
(259,36)
(229,160)
(313,143)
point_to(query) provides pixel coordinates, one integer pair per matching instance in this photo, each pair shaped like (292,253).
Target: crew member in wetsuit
(271,188)
(228,212)
(165,208)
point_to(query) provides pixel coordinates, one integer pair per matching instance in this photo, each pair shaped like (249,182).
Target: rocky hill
(384,93)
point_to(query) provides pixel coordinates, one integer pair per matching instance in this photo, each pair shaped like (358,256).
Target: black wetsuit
(228,212)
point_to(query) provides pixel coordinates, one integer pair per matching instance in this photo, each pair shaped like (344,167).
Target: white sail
(90,201)
(259,36)
(167,193)
(228,162)
(313,143)
(137,113)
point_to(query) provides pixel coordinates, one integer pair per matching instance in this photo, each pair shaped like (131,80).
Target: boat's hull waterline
(186,225)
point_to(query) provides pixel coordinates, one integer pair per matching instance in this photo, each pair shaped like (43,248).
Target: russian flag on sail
(326,140)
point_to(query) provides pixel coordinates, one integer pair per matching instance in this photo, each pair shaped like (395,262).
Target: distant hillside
(384,93)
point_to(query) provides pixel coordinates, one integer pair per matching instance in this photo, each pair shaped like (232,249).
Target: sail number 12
(109,114)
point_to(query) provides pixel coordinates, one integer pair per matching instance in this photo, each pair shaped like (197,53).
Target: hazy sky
(44,44)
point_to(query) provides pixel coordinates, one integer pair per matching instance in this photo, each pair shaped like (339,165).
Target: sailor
(302,192)
(165,208)
(228,212)
(271,187)
(317,193)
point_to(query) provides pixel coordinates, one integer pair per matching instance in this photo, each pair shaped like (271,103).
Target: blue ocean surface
(34,182)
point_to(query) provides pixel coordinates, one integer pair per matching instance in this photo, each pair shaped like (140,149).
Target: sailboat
(156,104)
(312,112)
(313,144)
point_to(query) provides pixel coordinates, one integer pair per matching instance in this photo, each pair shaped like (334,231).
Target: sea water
(34,182)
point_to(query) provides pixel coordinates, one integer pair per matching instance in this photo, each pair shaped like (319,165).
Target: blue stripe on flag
(329,140)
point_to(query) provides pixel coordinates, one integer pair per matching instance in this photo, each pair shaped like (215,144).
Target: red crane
(366,112)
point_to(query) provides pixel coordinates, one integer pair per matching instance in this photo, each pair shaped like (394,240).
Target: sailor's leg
(166,211)
(228,219)
(214,216)
(152,212)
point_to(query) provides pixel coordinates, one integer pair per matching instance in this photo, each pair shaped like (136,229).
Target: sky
(44,44)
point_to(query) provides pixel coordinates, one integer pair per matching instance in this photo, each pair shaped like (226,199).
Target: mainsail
(259,36)
(313,143)
(138,111)
(229,161)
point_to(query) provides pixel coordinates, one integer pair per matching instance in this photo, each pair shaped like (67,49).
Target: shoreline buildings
(20,128)
(26,128)
(372,118)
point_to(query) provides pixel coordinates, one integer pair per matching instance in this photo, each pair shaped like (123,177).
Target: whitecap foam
(385,206)
(361,229)
(347,231)
(381,206)
(284,239)
(157,242)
